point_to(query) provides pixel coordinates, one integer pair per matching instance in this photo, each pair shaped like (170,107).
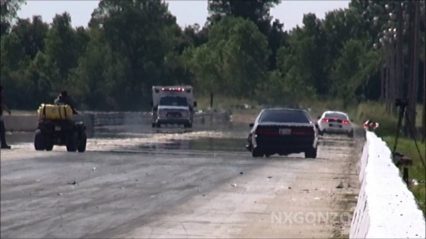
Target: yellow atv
(57,127)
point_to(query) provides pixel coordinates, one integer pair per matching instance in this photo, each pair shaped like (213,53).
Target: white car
(335,122)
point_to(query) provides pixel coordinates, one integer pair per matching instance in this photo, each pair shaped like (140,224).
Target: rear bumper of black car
(284,145)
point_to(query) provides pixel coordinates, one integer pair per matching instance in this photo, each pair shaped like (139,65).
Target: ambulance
(173,105)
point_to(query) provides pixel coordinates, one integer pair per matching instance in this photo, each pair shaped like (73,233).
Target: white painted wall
(385,208)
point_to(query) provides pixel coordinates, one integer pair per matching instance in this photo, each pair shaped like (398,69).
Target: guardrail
(385,207)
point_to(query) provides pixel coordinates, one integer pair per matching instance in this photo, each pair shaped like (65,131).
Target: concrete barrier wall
(92,119)
(26,122)
(29,122)
(386,208)
(131,118)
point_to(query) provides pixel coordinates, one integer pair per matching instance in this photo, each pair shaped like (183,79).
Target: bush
(376,111)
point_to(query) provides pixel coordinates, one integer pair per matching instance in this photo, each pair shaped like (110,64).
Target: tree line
(128,46)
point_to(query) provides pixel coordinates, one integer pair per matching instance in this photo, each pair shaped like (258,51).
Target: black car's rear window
(284,116)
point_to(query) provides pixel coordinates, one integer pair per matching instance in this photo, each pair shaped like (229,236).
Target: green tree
(31,35)
(12,54)
(300,62)
(277,38)
(296,77)
(8,10)
(313,53)
(99,75)
(25,78)
(61,50)
(12,63)
(352,70)
(38,77)
(89,83)
(233,61)
(256,11)
(142,33)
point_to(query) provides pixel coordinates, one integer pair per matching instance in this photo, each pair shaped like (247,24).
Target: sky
(187,12)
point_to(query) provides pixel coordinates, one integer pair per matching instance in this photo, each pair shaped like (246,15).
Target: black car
(283,131)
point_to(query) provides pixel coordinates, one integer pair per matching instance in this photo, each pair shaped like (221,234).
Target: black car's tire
(255,152)
(311,153)
(351,134)
(81,147)
(187,125)
(48,145)
(71,142)
(321,132)
(154,125)
(39,141)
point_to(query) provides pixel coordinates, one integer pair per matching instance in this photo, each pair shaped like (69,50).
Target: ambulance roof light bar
(174,89)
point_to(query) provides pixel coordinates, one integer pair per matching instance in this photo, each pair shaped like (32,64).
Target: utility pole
(424,79)
(382,84)
(399,61)
(411,87)
(424,94)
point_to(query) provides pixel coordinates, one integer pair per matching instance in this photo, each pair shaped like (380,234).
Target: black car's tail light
(305,131)
(267,131)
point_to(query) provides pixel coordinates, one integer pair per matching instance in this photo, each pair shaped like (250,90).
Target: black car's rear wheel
(311,153)
(351,134)
(39,141)
(48,145)
(256,152)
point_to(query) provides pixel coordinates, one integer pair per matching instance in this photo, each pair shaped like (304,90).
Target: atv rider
(64,99)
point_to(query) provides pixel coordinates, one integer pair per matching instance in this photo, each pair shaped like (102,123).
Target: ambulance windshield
(173,101)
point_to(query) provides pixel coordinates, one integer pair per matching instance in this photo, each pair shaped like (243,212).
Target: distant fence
(385,207)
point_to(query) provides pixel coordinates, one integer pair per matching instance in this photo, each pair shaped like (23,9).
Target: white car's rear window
(336,116)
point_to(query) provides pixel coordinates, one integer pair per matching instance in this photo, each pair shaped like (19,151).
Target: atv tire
(71,142)
(82,142)
(39,141)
